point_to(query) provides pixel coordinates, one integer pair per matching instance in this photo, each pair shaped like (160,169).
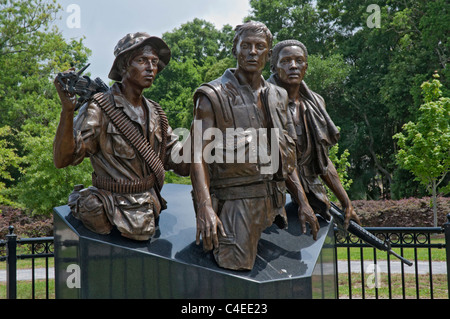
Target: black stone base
(289,264)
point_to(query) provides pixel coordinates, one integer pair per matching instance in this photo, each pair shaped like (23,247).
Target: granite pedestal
(289,264)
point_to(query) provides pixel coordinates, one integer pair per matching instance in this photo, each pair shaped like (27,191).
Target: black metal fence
(21,249)
(360,274)
(365,267)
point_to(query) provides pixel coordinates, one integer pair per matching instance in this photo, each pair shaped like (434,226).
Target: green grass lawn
(24,290)
(440,288)
(439,282)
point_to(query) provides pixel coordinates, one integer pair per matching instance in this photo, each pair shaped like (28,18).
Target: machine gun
(82,86)
(363,234)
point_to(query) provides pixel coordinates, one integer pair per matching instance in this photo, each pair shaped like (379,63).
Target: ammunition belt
(135,138)
(124,186)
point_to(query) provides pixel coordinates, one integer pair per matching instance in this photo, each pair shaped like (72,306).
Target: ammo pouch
(86,205)
(278,194)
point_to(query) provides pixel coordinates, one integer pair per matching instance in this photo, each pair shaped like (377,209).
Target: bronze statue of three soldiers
(271,137)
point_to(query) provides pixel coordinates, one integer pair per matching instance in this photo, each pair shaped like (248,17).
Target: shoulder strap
(133,136)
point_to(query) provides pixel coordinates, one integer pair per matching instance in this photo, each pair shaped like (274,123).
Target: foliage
(31,54)
(8,158)
(293,19)
(370,79)
(200,53)
(404,185)
(42,186)
(341,163)
(327,76)
(424,145)
(385,67)
(172,178)
(173,89)
(24,224)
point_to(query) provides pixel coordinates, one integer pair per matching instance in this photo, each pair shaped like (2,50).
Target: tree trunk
(434,203)
(375,158)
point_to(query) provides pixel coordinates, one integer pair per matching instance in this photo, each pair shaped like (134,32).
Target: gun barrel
(363,234)
(83,69)
(406,261)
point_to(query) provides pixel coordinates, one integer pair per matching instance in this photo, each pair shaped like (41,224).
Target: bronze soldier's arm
(332,180)
(295,188)
(207,220)
(305,212)
(64,143)
(181,168)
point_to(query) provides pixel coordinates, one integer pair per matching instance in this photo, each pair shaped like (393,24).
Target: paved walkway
(25,274)
(438,267)
(423,267)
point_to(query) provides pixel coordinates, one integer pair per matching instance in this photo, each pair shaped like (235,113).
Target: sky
(104,22)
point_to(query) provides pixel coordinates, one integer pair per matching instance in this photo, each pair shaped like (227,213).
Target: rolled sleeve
(86,131)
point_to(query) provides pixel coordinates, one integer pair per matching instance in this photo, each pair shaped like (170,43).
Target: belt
(248,191)
(124,186)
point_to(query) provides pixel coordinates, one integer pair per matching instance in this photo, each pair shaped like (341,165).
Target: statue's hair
(254,26)
(280,46)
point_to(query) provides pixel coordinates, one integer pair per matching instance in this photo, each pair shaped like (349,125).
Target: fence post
(447,249)
(11,265)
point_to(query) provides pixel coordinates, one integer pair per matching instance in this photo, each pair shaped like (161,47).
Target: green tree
(8,158)
(173,90)
(199,40)
(199,51)
(341,164)
(386,66)
(424,145)
(327,76)
(42,186)
(32,52)
(293,19)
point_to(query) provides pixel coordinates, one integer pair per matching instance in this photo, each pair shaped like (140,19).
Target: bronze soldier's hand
(306,214)
(69,101)
(207,224)
(350,214)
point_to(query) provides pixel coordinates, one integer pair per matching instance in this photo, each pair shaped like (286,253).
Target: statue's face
(291,65)
(252,51)
(142,68)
